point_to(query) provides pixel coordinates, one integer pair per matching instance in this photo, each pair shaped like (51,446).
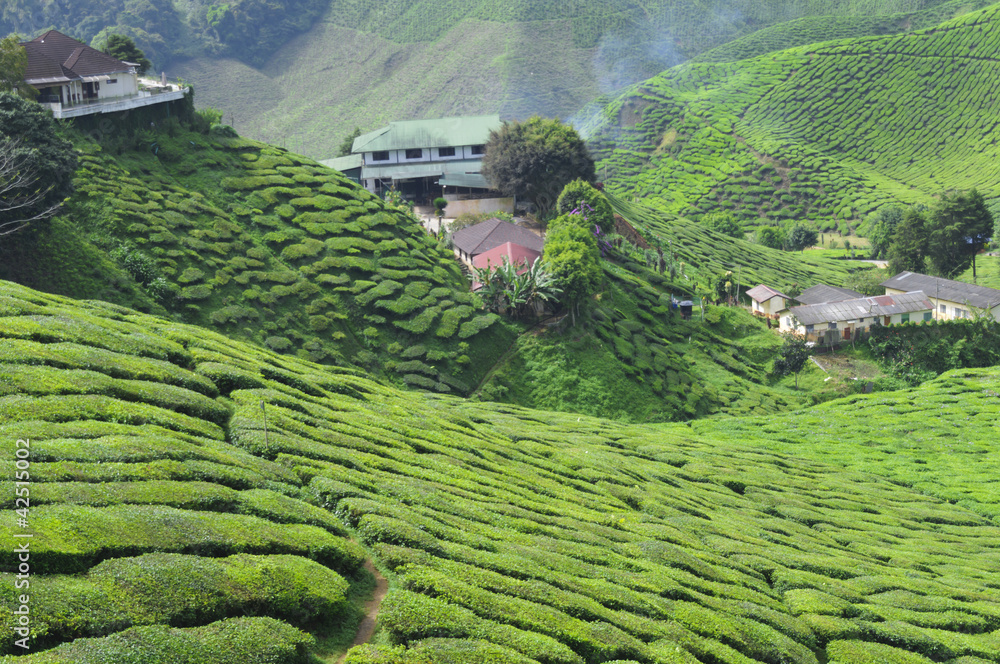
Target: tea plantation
(196,498)
(262,245)
(826,132)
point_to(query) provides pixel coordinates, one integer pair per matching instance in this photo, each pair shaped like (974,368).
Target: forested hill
(827,132)
(304,73)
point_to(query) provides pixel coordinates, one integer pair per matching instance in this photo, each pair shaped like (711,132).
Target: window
(927,316)
(446,152)
(809,329)
(414,153)
(944,309)
(961,313)
(380,156)
(832,326)
(905,318)
(478,149)
(112,81)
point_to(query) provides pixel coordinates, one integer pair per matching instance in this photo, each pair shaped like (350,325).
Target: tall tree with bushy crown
(535,159)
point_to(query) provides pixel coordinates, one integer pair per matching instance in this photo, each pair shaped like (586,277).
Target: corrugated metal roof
(821,293)
(865,307)
(475,180)
(404,171)
(945,289)
(342,164)
(764,293)
(438,133)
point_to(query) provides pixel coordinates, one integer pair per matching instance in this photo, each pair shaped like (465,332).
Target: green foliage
(726,224)
(580,195)
(792,357)
(572,259)
(13,60)
(536,159)
(36,163)
(123,48)
(348,143)
(800,237)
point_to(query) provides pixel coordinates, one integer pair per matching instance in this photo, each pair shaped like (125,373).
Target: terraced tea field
(170,523)
(823,133)
(270,247)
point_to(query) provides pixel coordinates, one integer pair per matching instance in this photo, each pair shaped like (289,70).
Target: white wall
(125,85)
(479,206)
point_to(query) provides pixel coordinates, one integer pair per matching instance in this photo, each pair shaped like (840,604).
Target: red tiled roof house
(490,234)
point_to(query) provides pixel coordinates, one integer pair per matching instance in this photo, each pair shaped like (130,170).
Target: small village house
(515,254)
(74,79)
(767,302)
(472,241)
(832,322)
(951,299)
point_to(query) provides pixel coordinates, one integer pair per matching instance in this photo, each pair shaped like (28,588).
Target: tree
(792,356)
(800,237)
(867,281)
(883,225)
(723,222)
(571,257)
(536,159)
(36,164)
(909,243)
(770,236)
(347,144)
(123,48)
(13,61)
(580,195)
(959,226)
(504,290)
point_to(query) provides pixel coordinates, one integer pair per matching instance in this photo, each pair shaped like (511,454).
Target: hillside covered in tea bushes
(824,133)
(266,246)
(199,499)
(262,245)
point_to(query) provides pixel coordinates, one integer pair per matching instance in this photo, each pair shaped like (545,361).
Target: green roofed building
(424,159)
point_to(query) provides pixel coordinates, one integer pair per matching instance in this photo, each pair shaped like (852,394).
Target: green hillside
(365,64)
(172,524)
(825,133)
(262,245)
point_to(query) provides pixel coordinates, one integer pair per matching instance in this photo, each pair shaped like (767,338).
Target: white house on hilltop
(424,159)
(74,79)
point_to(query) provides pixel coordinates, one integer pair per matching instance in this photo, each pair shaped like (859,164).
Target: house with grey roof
(821,293)
(74,79)
(767,302)
(846,319)
(951,299)
(490,234)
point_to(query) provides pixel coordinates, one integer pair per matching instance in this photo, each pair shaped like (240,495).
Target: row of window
(418,153)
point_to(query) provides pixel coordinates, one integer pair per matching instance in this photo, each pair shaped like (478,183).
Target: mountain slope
(509,534)
(365,64)
(825,133)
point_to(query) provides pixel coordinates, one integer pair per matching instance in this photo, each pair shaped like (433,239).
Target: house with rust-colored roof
(515,254)
(846,319)
(490,234)
(74,79)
